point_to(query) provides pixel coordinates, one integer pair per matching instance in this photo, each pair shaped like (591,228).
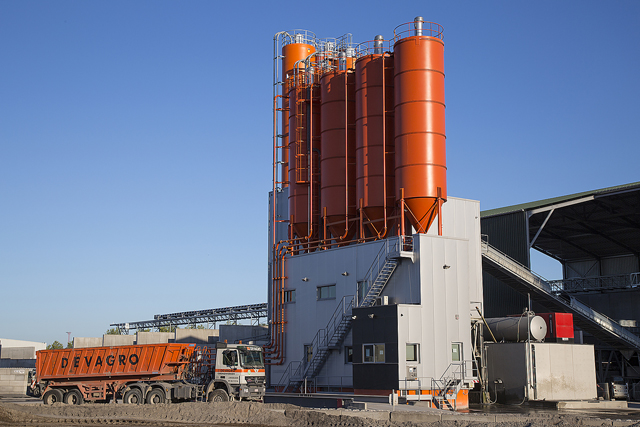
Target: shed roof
(589,225)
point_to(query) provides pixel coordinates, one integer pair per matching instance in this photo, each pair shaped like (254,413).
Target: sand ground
(33,413)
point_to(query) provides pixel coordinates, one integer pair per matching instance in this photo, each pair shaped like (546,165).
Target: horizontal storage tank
(420,120)
(337,147)
(515,329)
(375,160)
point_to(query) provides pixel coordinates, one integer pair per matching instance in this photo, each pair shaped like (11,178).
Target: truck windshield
(251,359)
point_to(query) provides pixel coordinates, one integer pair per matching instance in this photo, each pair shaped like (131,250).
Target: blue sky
(135,137)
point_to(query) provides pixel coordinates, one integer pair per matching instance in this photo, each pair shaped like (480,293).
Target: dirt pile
(257,414)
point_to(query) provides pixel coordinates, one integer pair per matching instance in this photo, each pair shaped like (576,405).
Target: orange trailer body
(128,361)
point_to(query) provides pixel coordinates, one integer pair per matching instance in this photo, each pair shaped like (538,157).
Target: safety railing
(392,247)
(585,284)
(334,327)
(418,28)
(286,375)
(327,383)
(515,267)
(299,36)
(329,336)
(605,322)
(373,47)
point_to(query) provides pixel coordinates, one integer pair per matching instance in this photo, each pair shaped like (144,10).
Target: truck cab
(239,372)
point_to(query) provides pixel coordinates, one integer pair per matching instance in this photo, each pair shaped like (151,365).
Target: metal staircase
(326,339)
(445,390)
(383,266)
(522,279)
(331,337)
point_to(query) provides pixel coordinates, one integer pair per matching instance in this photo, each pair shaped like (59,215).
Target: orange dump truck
(151,373)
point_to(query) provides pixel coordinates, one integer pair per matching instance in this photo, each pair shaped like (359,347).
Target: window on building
(413,352)
(289,296)
(327,292)
(362,290)
(348,354)
(373,353)
(455,351)
(308,352)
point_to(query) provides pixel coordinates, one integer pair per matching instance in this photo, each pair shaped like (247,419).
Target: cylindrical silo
(337,164)
(420,121)
(375,144)
(298,47)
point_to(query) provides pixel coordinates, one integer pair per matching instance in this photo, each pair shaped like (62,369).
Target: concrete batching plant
(364,294)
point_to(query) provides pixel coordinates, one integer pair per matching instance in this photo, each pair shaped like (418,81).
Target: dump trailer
(151,373)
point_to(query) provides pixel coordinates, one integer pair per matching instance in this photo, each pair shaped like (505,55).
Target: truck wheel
(155,397)
(218,395)
(133,396)
(73,397)
(52,396)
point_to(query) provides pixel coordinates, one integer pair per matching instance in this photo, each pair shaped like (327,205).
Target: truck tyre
(155,397)
(218,395)
(52,396)
(133,396)
(73,397)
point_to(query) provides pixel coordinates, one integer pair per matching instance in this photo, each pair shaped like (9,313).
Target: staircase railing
(386,258)
(326,338)
(450,383)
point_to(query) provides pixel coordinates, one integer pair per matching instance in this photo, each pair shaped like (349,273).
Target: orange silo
(337,163)
(297,46)
(420,121)
(375,161)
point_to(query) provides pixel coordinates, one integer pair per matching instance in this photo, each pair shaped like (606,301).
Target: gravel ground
(258,414)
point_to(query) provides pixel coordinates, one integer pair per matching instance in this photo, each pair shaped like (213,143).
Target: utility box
(518,372)
(559,327)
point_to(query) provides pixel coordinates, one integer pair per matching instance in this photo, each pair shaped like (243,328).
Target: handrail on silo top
(409,29)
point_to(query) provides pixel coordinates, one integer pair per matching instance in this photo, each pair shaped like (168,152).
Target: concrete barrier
(13,381)
(116,340)
(154,337)
(197,336)
(80,342)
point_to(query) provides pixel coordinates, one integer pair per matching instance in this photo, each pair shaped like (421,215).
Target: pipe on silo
(417,25)
(378,42)
(342,61)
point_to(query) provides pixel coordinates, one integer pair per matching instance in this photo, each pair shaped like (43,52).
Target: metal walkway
(215,315)
(522,279)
